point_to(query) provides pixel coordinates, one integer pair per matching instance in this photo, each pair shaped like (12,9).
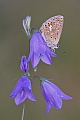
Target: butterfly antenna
(19,58)
(61,49)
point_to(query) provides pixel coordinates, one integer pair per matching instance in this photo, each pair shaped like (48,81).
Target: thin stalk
(24,105)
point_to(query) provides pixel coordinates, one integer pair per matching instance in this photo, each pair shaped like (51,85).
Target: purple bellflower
(22,91)
(24,64)
(39,50)
(52,94)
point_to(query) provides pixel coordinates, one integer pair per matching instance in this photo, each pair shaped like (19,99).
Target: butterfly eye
(57,46)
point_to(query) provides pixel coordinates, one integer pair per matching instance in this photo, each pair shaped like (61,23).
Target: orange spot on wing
(56,26)
(46,26)
(49,24)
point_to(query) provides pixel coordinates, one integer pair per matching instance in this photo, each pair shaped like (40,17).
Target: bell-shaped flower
(52,94)
(24,65)
(39,50)
(22,91)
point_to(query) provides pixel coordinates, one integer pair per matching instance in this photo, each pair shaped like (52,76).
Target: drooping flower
(26,25)
(24,65)
(22,91)
(52,94)
(39,50)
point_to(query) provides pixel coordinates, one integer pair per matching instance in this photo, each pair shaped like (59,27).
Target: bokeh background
(65,70)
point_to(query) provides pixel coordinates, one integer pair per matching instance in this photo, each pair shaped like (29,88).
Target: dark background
(65,70)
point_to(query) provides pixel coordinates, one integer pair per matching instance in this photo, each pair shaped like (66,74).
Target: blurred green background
(65,70)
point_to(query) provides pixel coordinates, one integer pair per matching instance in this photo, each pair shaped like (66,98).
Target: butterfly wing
(51,30)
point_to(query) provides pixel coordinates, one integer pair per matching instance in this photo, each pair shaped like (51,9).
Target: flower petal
(52,98)
(57,104)
(31,96)
(35,60)
(62,95)
(22,90)
(51,52)
(52,94)
(65,97)
(46,59)
(12,95)
(20,96)
(48,107)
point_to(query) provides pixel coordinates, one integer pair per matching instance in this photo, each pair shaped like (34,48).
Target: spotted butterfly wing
(51,31)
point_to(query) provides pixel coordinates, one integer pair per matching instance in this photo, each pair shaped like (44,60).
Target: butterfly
(51,31)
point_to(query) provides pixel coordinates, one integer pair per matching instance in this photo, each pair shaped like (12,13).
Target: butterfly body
(51,31)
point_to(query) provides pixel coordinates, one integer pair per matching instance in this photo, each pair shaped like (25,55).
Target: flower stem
(24,104)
